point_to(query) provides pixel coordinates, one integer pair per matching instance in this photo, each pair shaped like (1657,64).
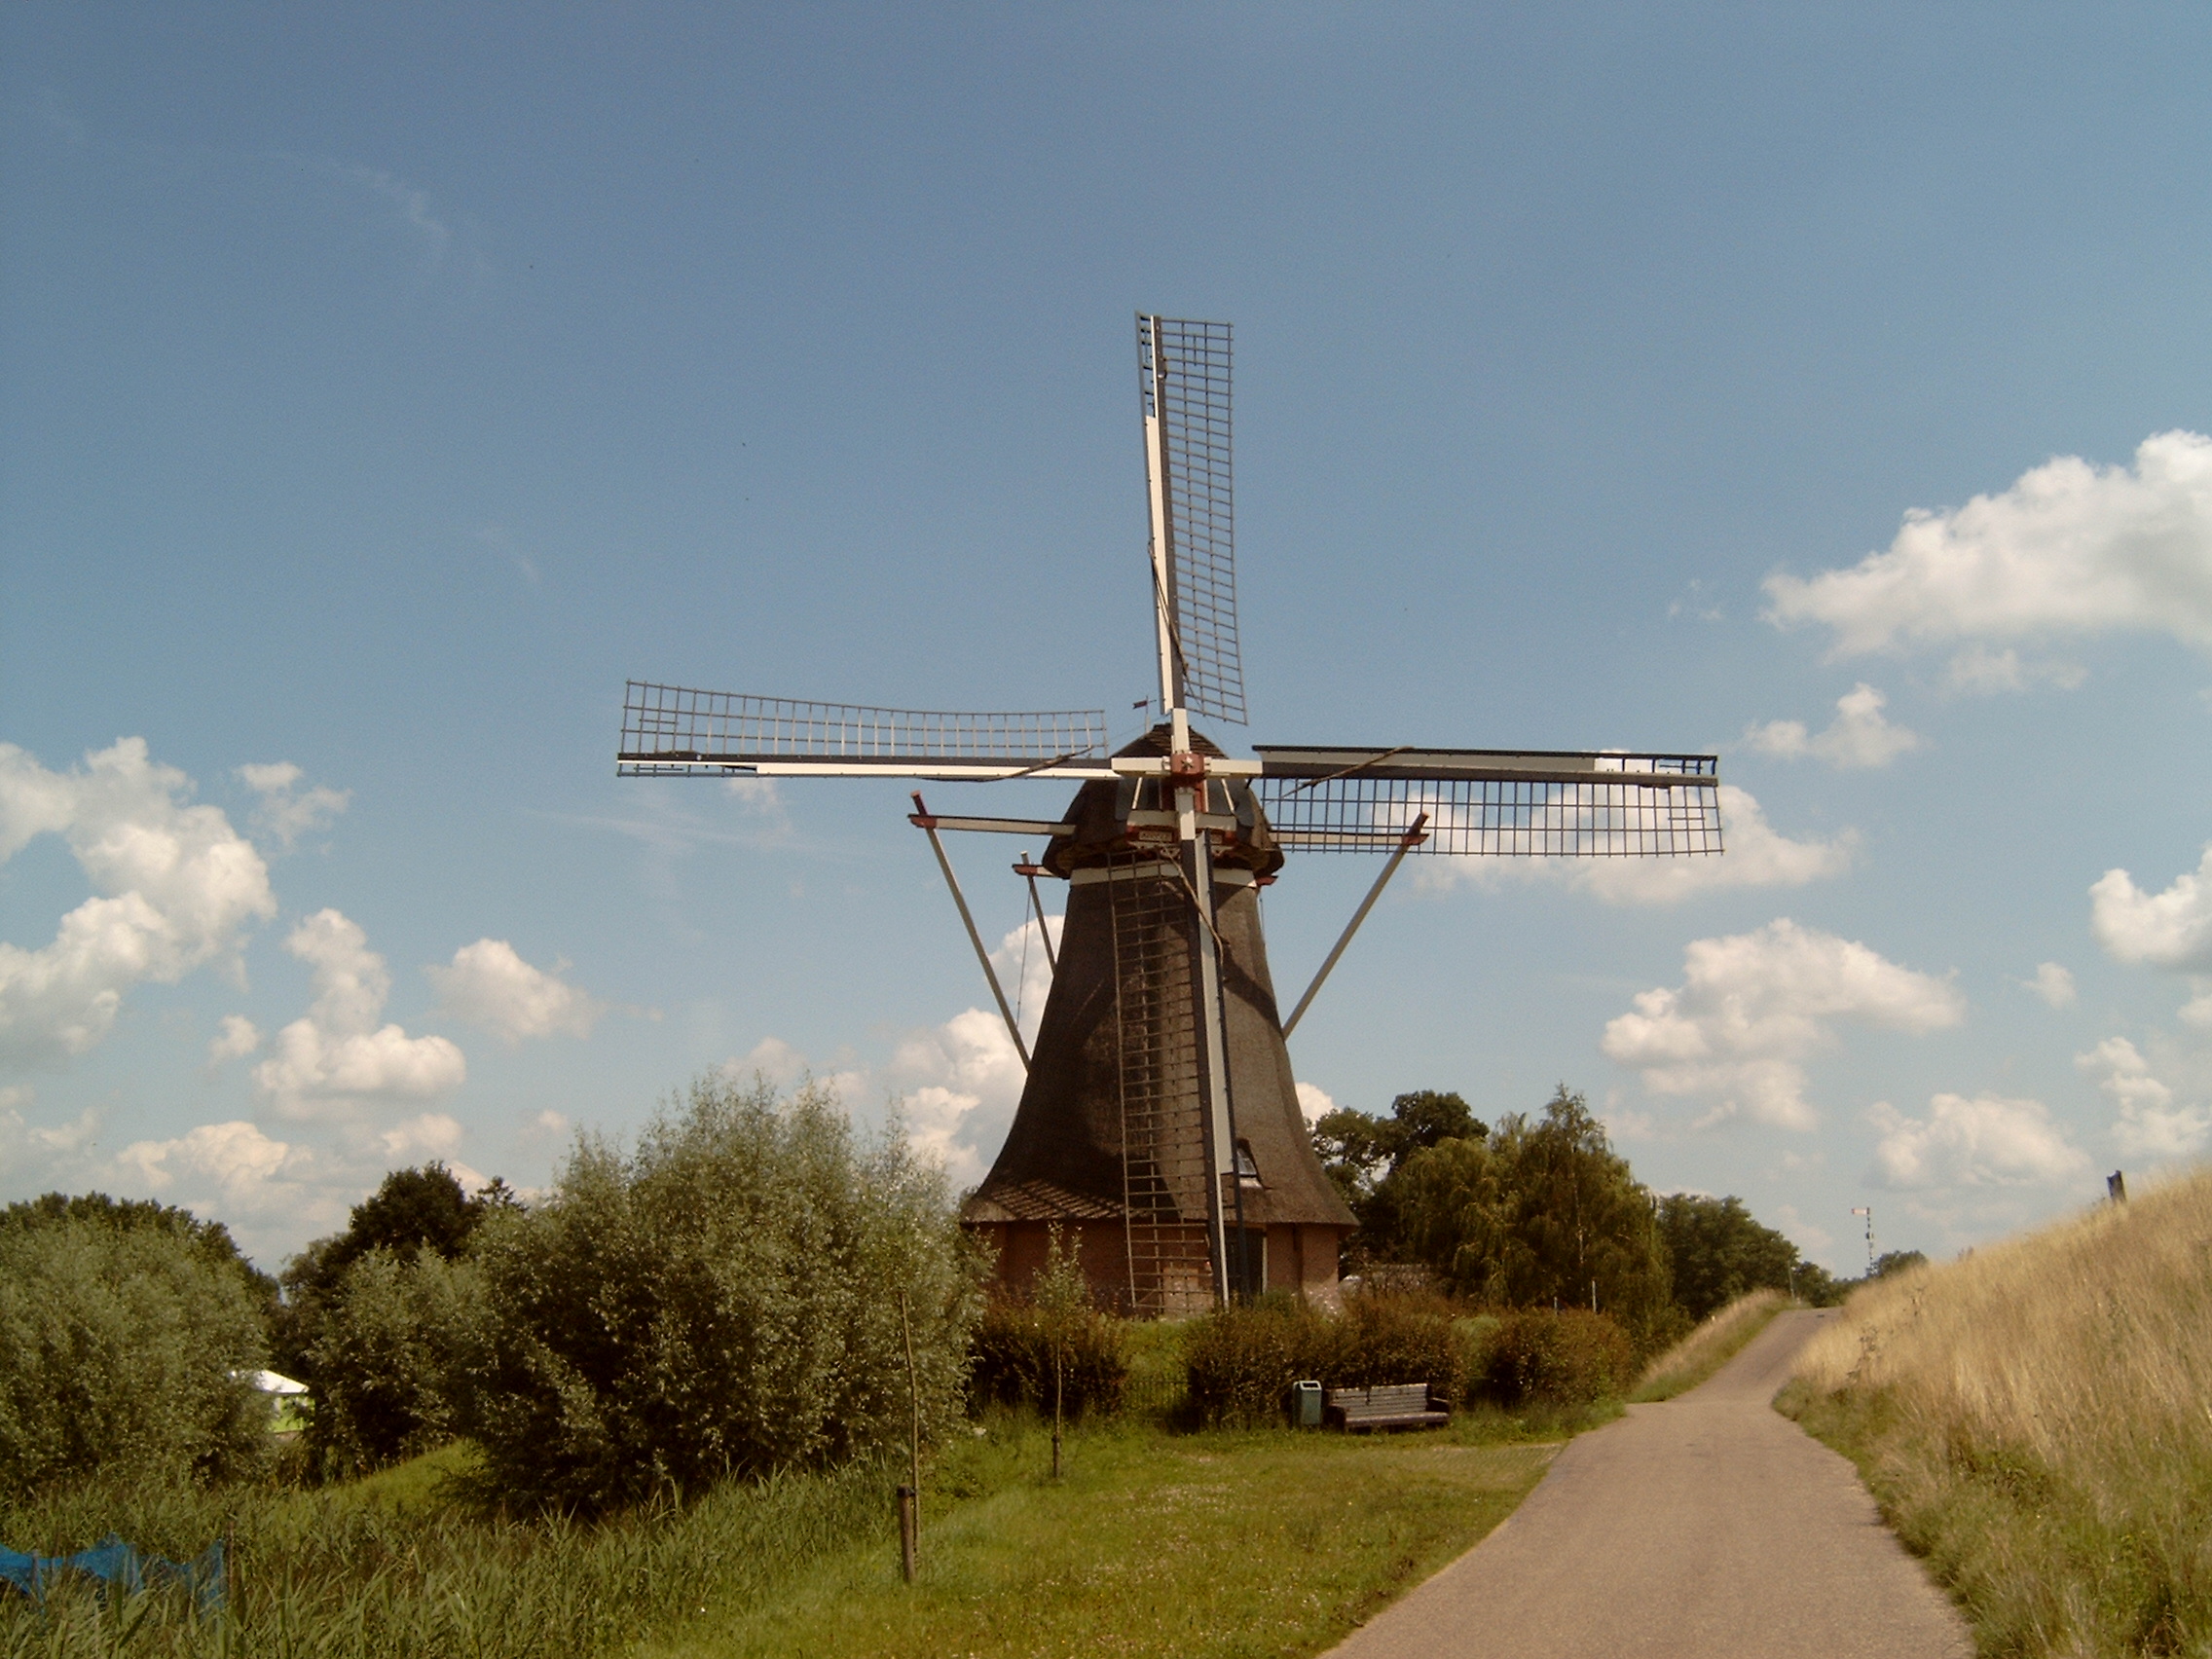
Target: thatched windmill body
(1160,1125)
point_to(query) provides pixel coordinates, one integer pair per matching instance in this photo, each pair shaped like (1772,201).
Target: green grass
(1223,1543)
(1155,1542)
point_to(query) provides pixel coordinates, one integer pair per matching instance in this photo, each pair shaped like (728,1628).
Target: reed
(2035,1419)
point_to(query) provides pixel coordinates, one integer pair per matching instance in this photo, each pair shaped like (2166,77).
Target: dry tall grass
(2037,1420)
(1710,1346)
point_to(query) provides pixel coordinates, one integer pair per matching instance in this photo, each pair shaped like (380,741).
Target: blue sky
(384,386)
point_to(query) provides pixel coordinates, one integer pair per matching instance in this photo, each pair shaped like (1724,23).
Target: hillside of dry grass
(2036,1419)
(1723,1335)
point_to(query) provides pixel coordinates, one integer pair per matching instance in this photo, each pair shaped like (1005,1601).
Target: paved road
(1709,1527)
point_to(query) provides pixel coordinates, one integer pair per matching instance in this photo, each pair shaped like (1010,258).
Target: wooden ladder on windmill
(1164,1165)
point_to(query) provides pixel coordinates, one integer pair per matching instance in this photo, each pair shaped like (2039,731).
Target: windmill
(1159,1123)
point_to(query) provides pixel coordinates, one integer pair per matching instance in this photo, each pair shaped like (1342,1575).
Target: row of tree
(738,1294)
(1538,1211)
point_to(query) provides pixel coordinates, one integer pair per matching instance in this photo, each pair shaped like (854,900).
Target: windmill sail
(1184,371)
(1493,802)
(672,731)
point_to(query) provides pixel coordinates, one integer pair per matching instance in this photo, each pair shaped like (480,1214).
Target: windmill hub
(1159,1127)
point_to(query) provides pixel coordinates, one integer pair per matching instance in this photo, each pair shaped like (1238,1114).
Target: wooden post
(1056,1395)
(910,1509)
(909,1529)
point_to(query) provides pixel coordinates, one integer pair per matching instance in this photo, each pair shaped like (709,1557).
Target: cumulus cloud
(490,985)
(1987,1141)
(1859,735)
(2068,549)
(237,1037)
(338,1055)
(233,1164)
(1757,856)
(1313,1103)
(1752,1008)
(429,1134)
(2172,929)
(286,811)
(2053,983)
(176,888)
(2147,1124)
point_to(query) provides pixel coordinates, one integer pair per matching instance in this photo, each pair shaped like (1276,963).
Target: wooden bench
(1394,1404)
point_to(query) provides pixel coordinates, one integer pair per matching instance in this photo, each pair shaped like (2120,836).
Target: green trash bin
(1306,1404)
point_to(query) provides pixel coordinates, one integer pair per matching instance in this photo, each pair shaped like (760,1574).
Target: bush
(724,1300)
(389,1364)
(1570,1357)
(123,1352)
(1242,1359)
(1395,1338)
(1011,1359)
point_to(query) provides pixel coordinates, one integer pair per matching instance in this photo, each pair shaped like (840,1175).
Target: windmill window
(1247,1171)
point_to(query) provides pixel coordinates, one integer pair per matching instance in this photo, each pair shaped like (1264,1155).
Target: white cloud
(2069,549)
(1753,1007)
(284,810)
(2053,983)
(430,1135)
(1859,735)
(1313,1103)
(492,986)
(237,1036)
(178,888)
(44,1154)
(234,1160)
(2197,1011)
(2172,929)
(1979,672)
(2148,1123)
(338,1055)
(1987,1141)
(1757,856)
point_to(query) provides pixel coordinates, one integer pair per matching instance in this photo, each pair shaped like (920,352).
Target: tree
(1363,1153)
(1540,1213)
(392,1361)
(124,1350)
(725,1300)
(411,1211)
(211,1239)
(1896,1262)
(1717,1252)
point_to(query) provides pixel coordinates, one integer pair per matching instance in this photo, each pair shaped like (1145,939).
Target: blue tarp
(121,1566)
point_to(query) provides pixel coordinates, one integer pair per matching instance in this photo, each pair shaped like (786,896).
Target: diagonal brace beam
(920,817)
(1414,836)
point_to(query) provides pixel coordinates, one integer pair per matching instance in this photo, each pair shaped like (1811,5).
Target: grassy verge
(1225,1543)
(2033,1421)
(1722,1338)
(1155,1542)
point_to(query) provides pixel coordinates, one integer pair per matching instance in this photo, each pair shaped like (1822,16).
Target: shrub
(1396,1338)
(389,1364)
(1011,1359)
(1243,1359)
(725,1300)
(1570,1357)
(123,1352)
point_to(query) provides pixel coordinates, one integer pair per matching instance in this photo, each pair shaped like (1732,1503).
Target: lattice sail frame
(1494,804)
(672,731)
(1202,503)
